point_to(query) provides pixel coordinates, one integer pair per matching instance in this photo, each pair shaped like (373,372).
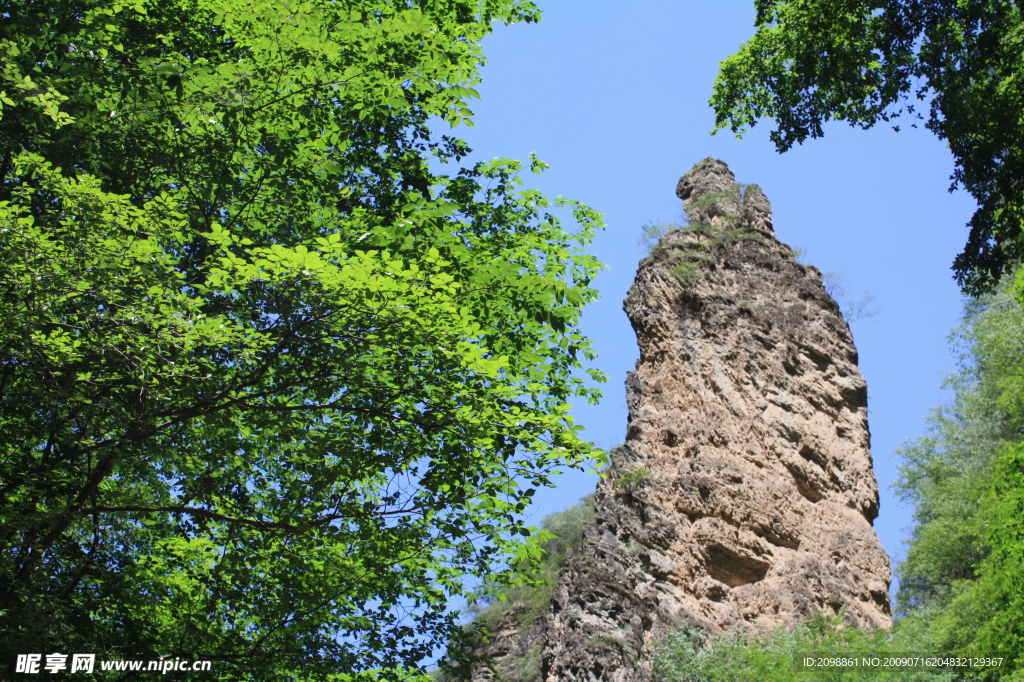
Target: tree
(983,620)
(946,474)
(963,570)
(274,384)
(870,61)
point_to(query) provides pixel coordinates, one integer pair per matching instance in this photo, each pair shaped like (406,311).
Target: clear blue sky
(614,98)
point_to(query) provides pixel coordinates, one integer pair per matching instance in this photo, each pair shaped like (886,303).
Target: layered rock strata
(744,493)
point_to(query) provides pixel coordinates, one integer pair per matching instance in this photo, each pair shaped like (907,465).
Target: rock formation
(744,493)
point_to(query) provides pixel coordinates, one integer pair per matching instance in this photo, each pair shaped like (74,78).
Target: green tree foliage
(272,386)
(984,618)
(532,595)
(965,480)
(519,603)
(866,61)
(946,473)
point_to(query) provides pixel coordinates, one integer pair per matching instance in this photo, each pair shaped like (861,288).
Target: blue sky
(614,99)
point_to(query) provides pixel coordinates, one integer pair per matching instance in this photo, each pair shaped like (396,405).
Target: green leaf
(264,350)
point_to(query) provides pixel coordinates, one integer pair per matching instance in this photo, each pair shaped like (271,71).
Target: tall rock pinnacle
(744,493)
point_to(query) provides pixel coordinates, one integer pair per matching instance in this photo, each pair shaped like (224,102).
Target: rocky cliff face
(744,493)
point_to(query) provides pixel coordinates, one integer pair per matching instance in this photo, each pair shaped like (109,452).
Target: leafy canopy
(946,473)
(866,61)
(963,569)
(273,384)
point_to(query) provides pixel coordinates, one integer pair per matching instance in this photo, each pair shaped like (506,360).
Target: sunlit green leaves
(963,564)
(273,388)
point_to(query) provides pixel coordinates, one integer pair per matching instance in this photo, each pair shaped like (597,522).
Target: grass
(692,655)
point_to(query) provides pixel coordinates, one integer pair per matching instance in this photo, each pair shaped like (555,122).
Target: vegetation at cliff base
(280,374)
(691,655)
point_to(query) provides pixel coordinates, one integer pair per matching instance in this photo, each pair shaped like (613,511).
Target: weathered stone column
(744,493)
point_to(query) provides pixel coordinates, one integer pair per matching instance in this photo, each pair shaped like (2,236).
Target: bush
(565,530)
(693,655)
(652,232)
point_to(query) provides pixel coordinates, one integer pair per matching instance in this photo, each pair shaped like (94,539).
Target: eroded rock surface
(744,493)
